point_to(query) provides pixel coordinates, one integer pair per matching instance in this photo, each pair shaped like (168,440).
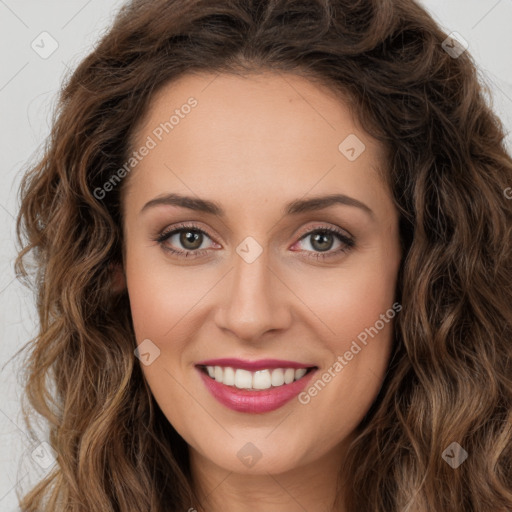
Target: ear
(118,277)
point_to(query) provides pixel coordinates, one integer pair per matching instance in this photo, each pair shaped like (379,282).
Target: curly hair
(450,375)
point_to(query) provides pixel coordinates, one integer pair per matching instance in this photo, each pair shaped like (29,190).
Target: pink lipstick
(254,386)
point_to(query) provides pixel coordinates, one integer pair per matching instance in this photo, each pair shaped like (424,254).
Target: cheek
(161,298)
(359,309)
(159,294)
(345,301)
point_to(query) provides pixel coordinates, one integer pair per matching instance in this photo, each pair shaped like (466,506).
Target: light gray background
(28,88)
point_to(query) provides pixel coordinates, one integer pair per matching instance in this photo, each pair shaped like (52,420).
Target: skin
(253,144)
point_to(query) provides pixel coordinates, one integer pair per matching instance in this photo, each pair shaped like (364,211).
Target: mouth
(257,387)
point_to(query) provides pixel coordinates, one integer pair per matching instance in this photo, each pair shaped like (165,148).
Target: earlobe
(118,277)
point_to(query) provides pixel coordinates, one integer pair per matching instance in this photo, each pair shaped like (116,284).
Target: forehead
(258,107)
(262,134)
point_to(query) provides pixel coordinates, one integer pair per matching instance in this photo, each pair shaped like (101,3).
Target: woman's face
(253,299)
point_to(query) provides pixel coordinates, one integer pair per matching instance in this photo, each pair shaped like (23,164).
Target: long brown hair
(450,377)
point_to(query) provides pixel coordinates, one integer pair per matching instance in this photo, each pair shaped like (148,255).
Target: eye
(191,238)
(322,240)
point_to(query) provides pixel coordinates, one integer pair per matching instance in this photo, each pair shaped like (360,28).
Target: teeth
(261,379)
(300,373)
(277,378)
(289,375)
(243,379)
(228,377)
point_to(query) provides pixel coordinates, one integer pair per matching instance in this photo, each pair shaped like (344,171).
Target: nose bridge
(251,272)
(253,302)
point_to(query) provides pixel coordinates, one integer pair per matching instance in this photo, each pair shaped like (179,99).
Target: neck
(313,487)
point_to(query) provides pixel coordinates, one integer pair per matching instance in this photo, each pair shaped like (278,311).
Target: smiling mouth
(259,380)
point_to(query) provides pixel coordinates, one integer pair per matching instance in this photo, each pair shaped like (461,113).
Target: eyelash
(349,243)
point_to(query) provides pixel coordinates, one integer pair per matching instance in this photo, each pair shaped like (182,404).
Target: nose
(255,300)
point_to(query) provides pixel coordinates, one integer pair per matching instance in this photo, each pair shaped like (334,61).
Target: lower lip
(243,400)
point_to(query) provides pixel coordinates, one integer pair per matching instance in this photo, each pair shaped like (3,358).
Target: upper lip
(260,364)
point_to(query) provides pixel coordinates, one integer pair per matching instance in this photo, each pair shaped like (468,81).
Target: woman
(207,350)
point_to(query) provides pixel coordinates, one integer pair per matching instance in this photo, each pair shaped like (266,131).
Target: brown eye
(191,239)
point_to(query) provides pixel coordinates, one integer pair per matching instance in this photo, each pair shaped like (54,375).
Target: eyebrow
(293,208)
